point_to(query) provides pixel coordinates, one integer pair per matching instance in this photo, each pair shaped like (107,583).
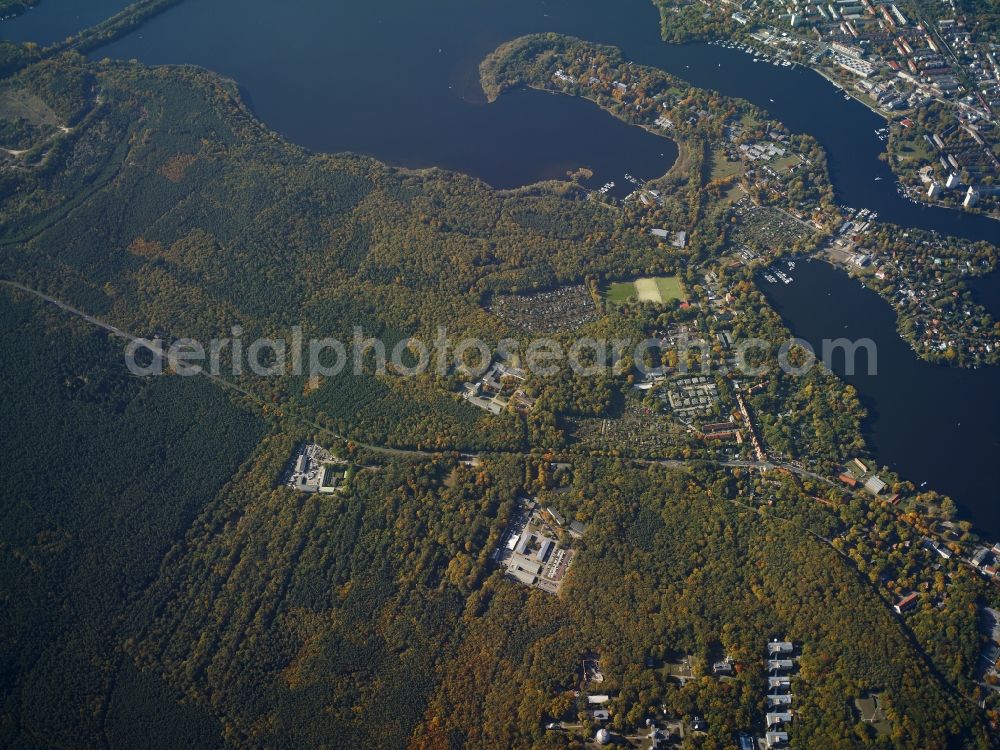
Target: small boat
(877,179)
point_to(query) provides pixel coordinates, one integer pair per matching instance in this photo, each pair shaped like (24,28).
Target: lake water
(53,20)
(399,80)
(986,291)
(927,422)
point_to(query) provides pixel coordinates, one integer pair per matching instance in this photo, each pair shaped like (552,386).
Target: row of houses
(780,665)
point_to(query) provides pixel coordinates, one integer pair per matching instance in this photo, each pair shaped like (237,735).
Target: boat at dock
(785,278)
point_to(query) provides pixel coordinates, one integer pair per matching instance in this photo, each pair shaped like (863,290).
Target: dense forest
(102,475)
(222,608)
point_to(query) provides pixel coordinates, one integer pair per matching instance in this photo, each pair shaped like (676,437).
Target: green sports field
(659,289)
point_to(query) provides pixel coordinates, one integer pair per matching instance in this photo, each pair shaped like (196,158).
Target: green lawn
(722,167)
(670,288)
(620,292)
(785,163)
(658,289)
(733,194)
(914,149)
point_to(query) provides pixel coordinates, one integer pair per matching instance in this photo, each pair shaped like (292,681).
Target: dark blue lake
(930,423)
(54,20)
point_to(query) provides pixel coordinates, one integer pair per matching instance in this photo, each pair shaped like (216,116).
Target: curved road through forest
(118,332)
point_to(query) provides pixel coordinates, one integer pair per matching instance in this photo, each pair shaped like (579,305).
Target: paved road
(118,332)
(411,452)
(70,309)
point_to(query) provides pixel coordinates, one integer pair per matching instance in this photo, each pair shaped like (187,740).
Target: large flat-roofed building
(314,469)
(524,577)
(520,562)
(874,485)
(544,549)
(847,49)
(329,480)
(861,68)
(531,547)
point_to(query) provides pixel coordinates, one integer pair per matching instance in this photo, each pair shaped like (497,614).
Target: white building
(861,68)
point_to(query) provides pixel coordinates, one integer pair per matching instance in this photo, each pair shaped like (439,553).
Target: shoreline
(889,121)
(678,143)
